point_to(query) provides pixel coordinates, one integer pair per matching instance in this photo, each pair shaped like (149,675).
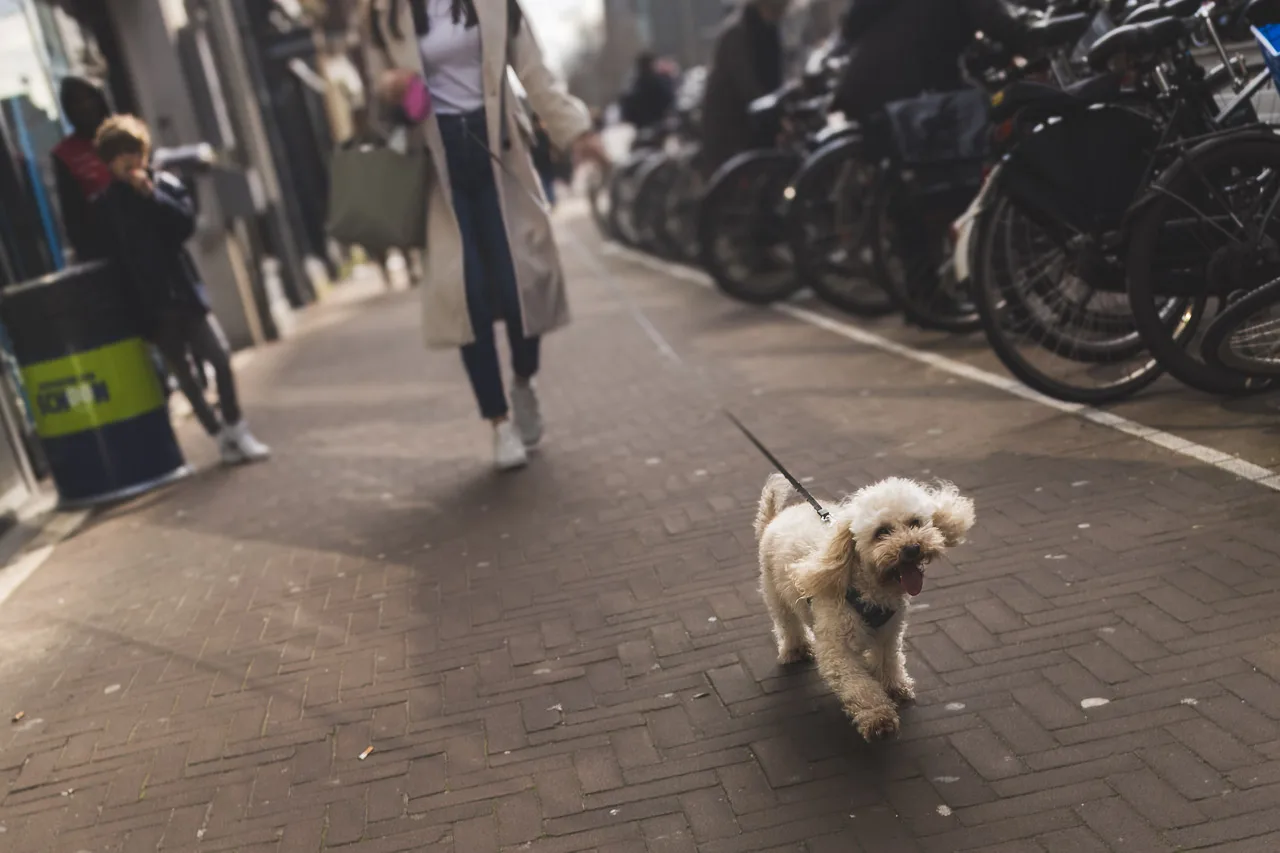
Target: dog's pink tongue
(912,579)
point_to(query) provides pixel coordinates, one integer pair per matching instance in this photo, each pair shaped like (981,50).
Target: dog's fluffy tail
(774,497)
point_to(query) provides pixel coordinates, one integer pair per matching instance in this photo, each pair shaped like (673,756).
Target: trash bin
(100,413)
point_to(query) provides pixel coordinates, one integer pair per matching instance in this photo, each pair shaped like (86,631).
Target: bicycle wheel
(829,228)
(741,236)
(913,257)
(680,224)
(622,197)
(1245,337)
(598,197)
(1058,322)
(1205,235)
(652,185)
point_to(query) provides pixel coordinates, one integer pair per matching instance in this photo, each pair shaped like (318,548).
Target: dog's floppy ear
(827,575)
(953,513)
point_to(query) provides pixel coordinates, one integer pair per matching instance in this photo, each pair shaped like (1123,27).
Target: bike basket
(1268,36)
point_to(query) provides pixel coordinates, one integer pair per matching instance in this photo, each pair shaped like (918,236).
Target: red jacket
(81,177)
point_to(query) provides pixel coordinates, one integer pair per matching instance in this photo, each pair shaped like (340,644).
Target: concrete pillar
(147,31)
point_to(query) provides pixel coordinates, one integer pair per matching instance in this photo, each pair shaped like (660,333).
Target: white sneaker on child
(237,445)
(527,413)
(508,449)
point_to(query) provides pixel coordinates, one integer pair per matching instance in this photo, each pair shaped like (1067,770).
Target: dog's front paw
(794,654)
(876,723)
(901,691)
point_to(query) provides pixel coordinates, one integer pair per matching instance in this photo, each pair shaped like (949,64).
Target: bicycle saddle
(1023,94)
(1062,30)
(1259,12)
(1137,39)
(1145,12)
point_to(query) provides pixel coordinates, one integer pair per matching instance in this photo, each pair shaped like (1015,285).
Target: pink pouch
(416,103)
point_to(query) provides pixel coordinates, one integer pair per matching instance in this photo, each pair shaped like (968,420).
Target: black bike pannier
(941,136)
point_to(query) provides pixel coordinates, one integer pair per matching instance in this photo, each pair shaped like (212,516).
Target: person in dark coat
(79,173)
(650,96)
(901,48)
(80,177)
(746,64)
(145,217)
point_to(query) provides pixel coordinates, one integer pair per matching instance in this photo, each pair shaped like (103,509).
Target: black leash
(773,460)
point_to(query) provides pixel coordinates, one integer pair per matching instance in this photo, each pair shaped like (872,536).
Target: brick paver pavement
(575,657)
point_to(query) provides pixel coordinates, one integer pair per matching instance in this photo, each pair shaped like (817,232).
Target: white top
(451,59)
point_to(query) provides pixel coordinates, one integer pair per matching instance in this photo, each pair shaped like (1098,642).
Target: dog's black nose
(911,552)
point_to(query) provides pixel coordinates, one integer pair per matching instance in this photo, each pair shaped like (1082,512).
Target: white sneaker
(508,449)
(237,445)
(527,414)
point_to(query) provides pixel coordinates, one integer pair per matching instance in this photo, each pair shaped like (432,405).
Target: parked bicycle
(1054,222)
(742,231)
(1102,202)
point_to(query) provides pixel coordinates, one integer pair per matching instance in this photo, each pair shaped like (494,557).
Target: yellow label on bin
(93,389)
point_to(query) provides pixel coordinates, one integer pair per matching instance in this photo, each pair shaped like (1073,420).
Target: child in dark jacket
(147,217)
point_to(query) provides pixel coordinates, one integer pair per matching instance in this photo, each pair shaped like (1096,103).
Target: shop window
(30,125)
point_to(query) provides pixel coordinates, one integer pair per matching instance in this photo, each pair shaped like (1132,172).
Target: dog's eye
(915,522)
(883,531)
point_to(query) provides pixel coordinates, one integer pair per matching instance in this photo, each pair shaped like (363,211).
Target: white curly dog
(838,591)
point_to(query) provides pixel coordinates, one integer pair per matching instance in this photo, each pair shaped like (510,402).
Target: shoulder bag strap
(504,130)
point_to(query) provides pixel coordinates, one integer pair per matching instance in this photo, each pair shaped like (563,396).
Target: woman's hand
(588,148)
(391,86)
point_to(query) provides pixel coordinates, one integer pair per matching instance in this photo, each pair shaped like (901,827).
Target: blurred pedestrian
(80,177)
(490,249)
(901,48)
(746,64)
(79,174)
(146,217)
(649,98)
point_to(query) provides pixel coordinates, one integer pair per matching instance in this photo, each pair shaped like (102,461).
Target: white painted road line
(1233,465)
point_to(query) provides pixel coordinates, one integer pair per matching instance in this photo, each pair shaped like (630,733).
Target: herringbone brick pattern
(575,657)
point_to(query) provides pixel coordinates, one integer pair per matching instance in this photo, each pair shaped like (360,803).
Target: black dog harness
(873,614)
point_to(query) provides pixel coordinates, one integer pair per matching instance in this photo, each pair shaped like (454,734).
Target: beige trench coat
(544,303)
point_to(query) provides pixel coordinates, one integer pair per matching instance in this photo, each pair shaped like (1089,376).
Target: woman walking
(490,250)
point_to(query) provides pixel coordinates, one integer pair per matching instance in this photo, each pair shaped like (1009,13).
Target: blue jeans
(492,291)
